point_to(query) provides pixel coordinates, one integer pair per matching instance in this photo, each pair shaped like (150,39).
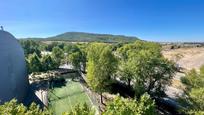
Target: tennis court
(64,98)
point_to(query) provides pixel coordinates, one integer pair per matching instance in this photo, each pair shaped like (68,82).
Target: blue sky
(153,20)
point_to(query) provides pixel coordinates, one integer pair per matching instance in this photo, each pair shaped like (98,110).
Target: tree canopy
(81,110)
(102,64)
(58,55)
(121,106)
(13,108)
(194,99)
(143,64)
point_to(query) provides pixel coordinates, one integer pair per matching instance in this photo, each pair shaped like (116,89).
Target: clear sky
(153,20)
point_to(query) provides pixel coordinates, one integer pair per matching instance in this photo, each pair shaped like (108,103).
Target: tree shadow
(57,83)
(121,88)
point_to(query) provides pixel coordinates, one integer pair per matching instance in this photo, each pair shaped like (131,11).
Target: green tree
(102,64)
(30,47)
(58,55)
(142,64)
(121,106)
(75,59)
(126,50)
(81,110)
(34,63)
(83,51)
(126,72)
(151,73)
(48,63)
(194,99)
(13,108)
(71,48)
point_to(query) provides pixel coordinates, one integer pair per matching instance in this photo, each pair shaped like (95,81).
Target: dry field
(187,58)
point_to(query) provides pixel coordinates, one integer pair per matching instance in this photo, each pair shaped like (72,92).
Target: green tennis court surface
(64,98)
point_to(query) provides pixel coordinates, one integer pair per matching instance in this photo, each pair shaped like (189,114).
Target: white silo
(13,76)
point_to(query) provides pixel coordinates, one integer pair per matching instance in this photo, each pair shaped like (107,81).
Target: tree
(75,59)
(102,64)
(30,47)
(58,55)
(142,64)
(71,48)
(34,63)
(13,108)
(151,73)
(81,110)
(83,51)
(48,63)
(125,72)
(194,99)
(126,50)
(121,106)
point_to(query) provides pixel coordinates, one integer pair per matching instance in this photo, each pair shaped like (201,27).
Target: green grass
(63,99)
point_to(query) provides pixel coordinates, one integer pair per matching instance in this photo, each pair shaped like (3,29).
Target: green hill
(90,37)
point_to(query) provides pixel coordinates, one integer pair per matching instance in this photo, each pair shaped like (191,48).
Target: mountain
(89,37)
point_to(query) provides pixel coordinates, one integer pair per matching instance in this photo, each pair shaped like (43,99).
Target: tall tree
(30,47)
(34,63)
(101,66)
(58,55)
(126,72)
(75,59)
(142,64)
(48,63)
(151,73)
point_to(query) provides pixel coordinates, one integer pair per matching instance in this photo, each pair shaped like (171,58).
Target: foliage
(48,63)
(13,108)
(194,98)
(34,63)
(75,59)
(81,110)
(127,49)
(58,55)
(142,64)
(102,64)
(30,47)
(151,72)
(121,106)
(125,71)
(71,48)
(76,55)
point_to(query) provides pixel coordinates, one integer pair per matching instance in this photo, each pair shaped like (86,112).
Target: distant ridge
(88,37)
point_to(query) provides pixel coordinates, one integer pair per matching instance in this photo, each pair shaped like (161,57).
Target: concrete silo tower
(13,76)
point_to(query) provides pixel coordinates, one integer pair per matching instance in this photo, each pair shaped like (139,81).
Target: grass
(63,99)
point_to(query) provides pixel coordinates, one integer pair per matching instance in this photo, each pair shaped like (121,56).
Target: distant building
(13,76)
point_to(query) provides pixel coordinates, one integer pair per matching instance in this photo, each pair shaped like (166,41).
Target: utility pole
(2,28)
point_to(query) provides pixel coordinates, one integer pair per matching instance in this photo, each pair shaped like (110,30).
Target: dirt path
(92,96)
